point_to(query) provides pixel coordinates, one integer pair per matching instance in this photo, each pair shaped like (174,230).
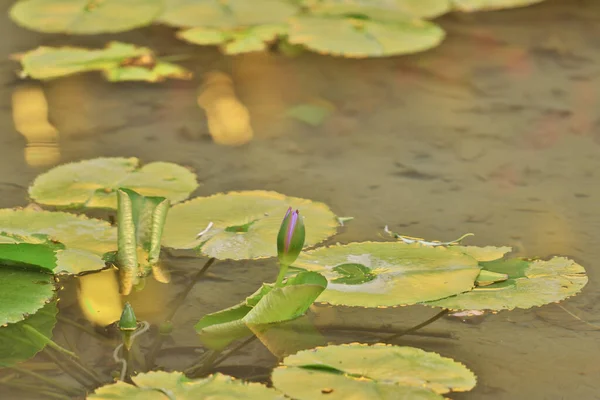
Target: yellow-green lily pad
(378,372)
(160,385)
(93,183)
(382,10)
(529,284)
(242,225)
(236,41)
(155,72)
(85,240)
(226,14)
(373,274)
(358,38)
(481,5)
(85,17)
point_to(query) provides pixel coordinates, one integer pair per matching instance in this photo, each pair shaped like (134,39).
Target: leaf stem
(49,342)
(81,368)
(69,371)
(419,326)
(35,389)
(83,328)
(52,382)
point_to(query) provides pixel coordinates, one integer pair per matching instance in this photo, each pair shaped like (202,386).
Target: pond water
(495,132)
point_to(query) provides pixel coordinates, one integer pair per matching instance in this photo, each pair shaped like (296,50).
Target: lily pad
(370,372)
(382,10)
(93,183)
(243,40)
(84,240)
(358,38)
(230,14)
(480,5)
(486,253)
(242,225)
(26,251)
(23,340)
(84,17)
(23,293)
(159,385)
(529,284)
(153,72)
(268,305)
(390,273)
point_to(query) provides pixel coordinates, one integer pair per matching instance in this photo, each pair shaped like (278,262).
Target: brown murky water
(496,132)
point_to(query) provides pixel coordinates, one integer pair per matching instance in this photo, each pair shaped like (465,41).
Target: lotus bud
(290,239)
(128,322)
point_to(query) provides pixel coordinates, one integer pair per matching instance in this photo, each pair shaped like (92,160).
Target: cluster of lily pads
(349,28)
(38,246)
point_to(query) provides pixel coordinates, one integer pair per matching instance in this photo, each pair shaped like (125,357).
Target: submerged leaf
(352,37)
(383,10)
(372,274)
(370,372)
(93,183)
(23,340)
(529,284)
(230,14)
(23,293)
(84,16)
(242,225)
(83,240)
(480,5)
(159,385)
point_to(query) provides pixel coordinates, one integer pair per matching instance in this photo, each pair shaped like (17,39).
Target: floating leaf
(529,284)
(268,305)
(237,41)
(23,251)
(159,385)
(242,225)
(93,183)
(84,16)
(157,72)
(24,339)
(83,240)
(230,14)
(352,37)
(393,273)
(487,253)
(23,293)
(370,372)
(383,10)
(480,5)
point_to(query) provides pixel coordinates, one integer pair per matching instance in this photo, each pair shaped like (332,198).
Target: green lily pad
(358,38)
(23,340)
(268,305)
(370,372)
(529,284)
(480,5)
(83,240)
(382,10)
(93,183)
(243,40)
(26,251)
(404,273)
(230,14)
(23,293)
(242,225)
(84,17)
(155,72)
(159,385)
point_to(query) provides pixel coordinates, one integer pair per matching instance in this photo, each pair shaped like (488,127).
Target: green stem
(233,351)
(150,359)
(47,340)
(201,366)
(282,271)
(417,327)
(83,328)
(49,381)
(82,369)
(36,389)
(69,371)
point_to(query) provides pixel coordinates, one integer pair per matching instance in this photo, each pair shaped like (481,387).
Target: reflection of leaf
(259,213)
(99,298)
(353,274)
(23,292)
(403,274)
(24,339)
(236,41)
(93,183)
(159,385)
(383,10)
(479,5)
(529,284)
(370,372)
(119,62)
(311,114)
(230,14)
(85,240)
(84,16)
(351,37)
(268,305)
